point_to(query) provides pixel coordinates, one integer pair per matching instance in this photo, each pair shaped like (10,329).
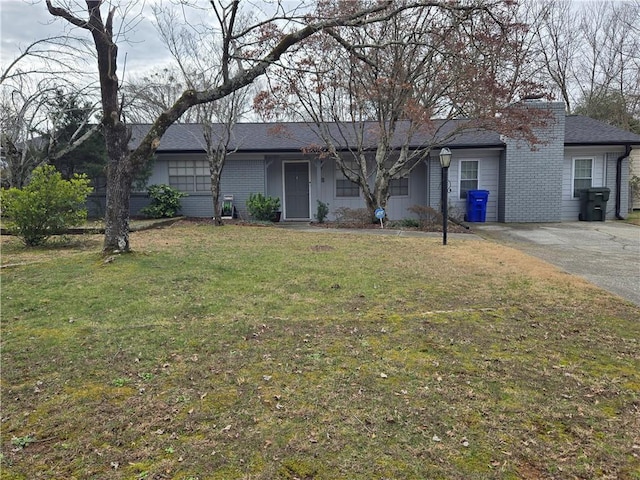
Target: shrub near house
(165,201)
(263,208)
(47,206)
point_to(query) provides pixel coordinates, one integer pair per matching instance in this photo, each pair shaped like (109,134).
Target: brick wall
(531,178)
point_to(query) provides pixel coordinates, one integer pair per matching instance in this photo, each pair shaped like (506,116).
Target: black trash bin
(477,205)
(593,204)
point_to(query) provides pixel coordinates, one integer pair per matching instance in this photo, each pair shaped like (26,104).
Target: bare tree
(376,91)
(590,51)
(51,57)
(608,70)
(32,112)
(147,96)
(264,41)
(195,49)
(29,120)
(559,45)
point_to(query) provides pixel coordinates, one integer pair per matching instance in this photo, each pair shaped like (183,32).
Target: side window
(582,174)
(468,177)
(344,186)
(399,187)
(189,175)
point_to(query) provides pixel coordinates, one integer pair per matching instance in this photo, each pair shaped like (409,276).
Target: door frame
(284,189)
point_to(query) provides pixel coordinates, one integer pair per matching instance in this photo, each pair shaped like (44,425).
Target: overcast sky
(24,21)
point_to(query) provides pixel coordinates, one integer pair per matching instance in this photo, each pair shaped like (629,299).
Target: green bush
(47,206)
(165,201)
(322,211)
(263,208)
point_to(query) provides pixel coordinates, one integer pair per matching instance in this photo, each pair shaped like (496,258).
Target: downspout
(626,153)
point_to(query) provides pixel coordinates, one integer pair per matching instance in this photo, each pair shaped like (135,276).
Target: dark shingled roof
(581,130)
(293,137)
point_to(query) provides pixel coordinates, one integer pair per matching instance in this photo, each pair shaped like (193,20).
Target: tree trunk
(119,179)
(215,169)
(379,197)
(116,234)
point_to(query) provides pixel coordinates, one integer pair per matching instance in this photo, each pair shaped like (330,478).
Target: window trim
(194,164)
(574,194)
(460,179)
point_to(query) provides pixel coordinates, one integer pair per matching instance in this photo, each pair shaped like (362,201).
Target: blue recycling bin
(477,205)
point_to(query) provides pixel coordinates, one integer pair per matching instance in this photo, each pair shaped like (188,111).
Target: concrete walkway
(605,253)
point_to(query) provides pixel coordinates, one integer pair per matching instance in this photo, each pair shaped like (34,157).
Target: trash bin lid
(478,194)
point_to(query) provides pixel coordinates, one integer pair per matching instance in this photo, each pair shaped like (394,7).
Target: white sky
(24,21)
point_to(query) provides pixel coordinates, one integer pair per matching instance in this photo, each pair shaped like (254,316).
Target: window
(468,176)
(190,175)
(399,187)
(582,174)
(346,188)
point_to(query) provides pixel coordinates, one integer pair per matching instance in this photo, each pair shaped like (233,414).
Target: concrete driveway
(605,253)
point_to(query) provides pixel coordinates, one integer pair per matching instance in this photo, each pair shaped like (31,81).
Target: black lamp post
(445,162)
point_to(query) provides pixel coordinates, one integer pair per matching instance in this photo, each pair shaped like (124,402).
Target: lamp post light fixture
(445,162)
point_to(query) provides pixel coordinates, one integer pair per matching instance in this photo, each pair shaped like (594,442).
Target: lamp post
(445,162)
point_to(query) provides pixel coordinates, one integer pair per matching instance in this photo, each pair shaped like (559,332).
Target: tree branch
(64,13)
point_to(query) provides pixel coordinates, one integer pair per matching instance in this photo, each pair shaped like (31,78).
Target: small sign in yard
(379,213)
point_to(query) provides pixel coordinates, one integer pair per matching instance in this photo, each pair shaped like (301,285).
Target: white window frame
(574,194)
(460,179)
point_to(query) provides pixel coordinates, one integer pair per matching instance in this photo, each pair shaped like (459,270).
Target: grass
(258,353)
(634,217)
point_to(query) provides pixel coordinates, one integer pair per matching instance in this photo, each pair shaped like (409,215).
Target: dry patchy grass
(255,353)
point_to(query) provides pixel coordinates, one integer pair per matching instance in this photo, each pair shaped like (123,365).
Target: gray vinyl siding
(435,182)
(625,199)
(502,182)
(488,165)
(488,172)
(604,175)
(397,206)
(322,186)
(633,167)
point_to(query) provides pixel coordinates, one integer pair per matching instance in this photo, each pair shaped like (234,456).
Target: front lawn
(256,353)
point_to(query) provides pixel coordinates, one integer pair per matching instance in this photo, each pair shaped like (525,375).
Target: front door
(296,190)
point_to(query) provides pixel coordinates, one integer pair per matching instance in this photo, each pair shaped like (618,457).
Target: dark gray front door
(296,190)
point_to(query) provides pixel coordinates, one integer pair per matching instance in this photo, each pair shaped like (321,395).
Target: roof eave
(602,144)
